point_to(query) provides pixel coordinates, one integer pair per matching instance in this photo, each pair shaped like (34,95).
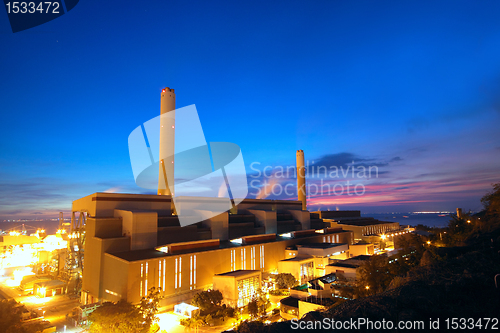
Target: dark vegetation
(212,311)
(123,317)
(11,315)
(452,277)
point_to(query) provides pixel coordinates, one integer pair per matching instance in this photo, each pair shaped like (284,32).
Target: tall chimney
(301,179)
(167,142)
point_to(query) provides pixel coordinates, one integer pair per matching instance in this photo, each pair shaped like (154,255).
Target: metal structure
(76,246)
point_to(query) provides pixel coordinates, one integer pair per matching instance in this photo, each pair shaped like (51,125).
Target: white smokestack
(167,143)
(301,179)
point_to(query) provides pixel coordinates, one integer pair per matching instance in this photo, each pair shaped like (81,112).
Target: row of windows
(243,258)
(162,266)
(377,229)
(331,239)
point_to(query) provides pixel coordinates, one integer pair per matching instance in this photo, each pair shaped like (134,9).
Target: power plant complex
(133,242)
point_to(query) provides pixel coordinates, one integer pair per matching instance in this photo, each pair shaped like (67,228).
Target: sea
(412,219)
(436,220)
(50,226)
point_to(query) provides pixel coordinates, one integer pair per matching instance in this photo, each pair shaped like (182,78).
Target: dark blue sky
(411,87)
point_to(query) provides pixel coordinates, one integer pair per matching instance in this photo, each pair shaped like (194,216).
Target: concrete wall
(141,227)
(305,307)
(266,219)
(348,272)
(228,287)
(104,204)
(361,249)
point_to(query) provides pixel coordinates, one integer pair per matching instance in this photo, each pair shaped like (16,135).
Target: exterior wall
(305,307)
(104,204)
(266,219)
(337,214)
(303,217)
(95,248)
(219,225)
(268,205)
(115,278)
(293,267)
(360,232)
(141,227)
(349,273)
(227,286)
(361,249)
(322,252)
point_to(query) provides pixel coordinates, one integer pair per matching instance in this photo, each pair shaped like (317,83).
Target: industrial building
(133,242)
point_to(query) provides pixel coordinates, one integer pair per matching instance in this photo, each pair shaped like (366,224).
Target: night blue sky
(410,87)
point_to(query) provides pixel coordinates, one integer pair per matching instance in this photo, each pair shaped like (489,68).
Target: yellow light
(42,291)
(428,242)
(383,236)
(367,287)
(468,221)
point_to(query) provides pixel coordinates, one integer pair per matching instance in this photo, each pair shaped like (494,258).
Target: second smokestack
(301,179)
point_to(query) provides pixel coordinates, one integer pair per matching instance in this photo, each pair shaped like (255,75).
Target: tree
(253,308)
(286,281)
(11,318)
(208,299)
(491,203)
(149,305)
(374,276)
(121,317)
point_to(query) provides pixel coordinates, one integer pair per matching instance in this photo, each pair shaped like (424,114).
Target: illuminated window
(252,258)
(180,272)
(164,265)
(262,257)
(246,290)
(176,273)
(159,273)
(233,260)
(192,272)
(146,280)
(243,255)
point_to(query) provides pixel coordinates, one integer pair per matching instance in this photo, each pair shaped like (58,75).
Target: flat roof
(321,245)
(363,223)
(338,264)
(290,301)
(238,273)
(51,283)
(298,258)
(137,255)
(360,257)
